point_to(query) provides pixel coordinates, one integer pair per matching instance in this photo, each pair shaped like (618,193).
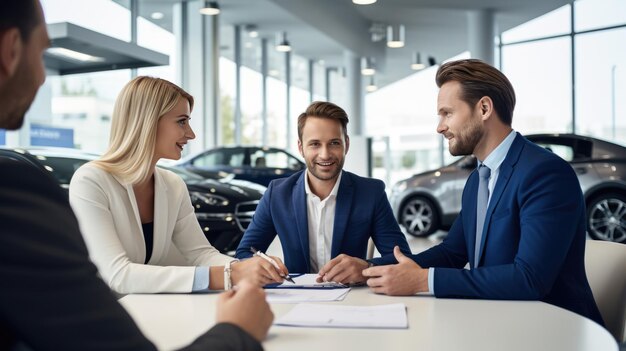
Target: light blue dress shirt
(200,280)
(493,161)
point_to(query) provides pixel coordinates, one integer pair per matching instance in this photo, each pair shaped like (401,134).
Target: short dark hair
(20,14)
(323,109)
(479,79)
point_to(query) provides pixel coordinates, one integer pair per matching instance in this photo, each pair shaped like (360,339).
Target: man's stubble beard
(467,140)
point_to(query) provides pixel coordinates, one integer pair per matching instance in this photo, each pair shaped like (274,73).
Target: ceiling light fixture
(367,66)
(252,30)
(282,44)
(157,15)
(74,55)
(210,8)
(363,2)
(395,36)
(371,87)
(417,64)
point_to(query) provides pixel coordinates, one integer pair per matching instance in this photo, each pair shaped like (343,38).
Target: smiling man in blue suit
(522,222)
(324,216)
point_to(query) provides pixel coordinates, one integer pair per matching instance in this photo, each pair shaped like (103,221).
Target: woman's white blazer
(108,216)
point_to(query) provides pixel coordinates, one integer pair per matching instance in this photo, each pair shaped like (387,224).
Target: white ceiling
(324,29)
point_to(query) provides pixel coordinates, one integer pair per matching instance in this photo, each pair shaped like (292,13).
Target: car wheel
(419,216)
(606,217)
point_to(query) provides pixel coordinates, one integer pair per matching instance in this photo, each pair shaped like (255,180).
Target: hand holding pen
(273,262)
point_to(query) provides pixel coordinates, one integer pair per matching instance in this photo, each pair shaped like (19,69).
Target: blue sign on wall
(49,136)
(3,137)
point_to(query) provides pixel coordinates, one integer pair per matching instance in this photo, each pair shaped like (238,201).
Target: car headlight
(209,199)
(398,188)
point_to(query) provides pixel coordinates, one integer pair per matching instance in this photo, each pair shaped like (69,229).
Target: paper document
(336,316)
(305,295)
(305,281)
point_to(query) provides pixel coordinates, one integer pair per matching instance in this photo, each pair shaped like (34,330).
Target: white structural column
(481,33)
(264,65)
(354,104)
(288,99)
(197,67)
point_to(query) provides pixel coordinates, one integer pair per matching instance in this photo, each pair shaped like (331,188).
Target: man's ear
(10,51)
(347,143)
(485,107)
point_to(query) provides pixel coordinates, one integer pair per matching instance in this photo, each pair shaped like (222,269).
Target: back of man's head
(479,79)
(20,14)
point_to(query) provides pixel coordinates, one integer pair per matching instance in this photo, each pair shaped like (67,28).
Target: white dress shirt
(321,222)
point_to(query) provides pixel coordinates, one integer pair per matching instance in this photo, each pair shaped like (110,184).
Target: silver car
(431,201)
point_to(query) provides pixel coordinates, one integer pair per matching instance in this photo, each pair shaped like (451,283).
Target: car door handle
(580,170)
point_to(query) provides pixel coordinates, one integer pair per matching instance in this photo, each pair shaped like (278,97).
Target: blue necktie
(481,206)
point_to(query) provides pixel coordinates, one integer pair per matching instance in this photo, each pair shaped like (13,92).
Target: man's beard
(16,98)
(466,140)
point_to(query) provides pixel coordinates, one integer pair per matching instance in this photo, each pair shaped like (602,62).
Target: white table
(172,321)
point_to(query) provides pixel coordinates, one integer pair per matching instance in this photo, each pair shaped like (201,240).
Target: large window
(540,72)
(251,92)
(552,23)
(96,15)
(276,99)
(593,14)
(540,69)
(601,84)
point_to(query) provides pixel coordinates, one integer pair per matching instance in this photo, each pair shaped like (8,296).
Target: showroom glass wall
(83,103)
(568,70)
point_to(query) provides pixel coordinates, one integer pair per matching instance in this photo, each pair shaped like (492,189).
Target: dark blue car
(252,163)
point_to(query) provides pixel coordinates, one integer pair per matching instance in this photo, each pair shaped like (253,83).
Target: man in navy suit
(324,216)
(526,240)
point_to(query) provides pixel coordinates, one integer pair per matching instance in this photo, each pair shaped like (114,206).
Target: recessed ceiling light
(363,2)
(157,15)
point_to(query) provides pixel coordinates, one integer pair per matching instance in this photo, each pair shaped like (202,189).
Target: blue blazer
(362,211)
(533,243)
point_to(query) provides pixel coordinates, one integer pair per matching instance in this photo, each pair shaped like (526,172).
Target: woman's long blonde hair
(138,108)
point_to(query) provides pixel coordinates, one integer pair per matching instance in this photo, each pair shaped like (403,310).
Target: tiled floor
(416,244)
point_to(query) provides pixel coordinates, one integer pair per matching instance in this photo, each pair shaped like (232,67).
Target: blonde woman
(131,212)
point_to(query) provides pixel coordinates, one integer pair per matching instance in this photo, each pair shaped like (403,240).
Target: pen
(270,260)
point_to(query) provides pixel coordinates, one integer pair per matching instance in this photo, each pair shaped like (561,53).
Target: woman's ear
(10,51)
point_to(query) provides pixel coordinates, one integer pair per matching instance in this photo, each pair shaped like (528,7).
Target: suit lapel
(506,170)
(161,203)
(342,212)
(298,198)
(139,252)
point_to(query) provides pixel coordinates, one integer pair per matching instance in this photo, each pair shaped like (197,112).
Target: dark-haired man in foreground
(51,297)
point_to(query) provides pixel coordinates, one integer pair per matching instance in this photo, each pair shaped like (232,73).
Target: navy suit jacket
(52,297)
(533,243)
(362,211)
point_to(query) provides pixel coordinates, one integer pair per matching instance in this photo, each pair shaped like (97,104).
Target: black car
(252,163)
(224,207)
(430,201)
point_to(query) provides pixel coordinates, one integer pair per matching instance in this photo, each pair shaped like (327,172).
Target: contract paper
(391,316)
(305,281)
(305,295)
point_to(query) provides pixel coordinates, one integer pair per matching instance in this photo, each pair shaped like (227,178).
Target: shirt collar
(497,156)
(333,192)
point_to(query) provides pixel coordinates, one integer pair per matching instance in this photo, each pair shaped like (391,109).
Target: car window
(63,168)
(566,152)
(221,157)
